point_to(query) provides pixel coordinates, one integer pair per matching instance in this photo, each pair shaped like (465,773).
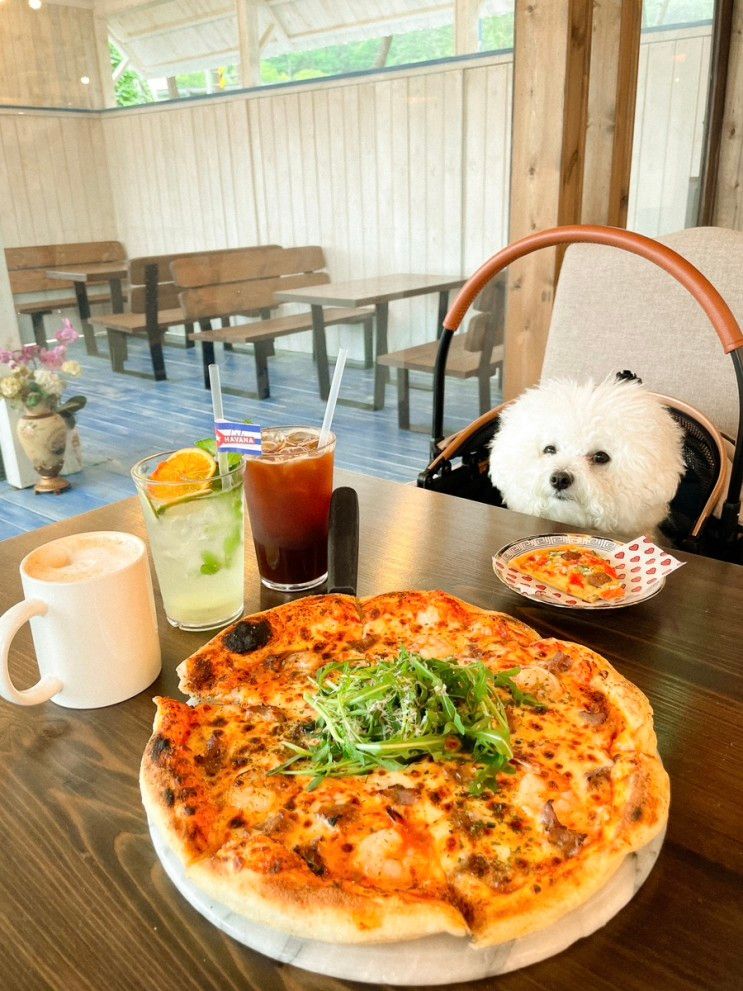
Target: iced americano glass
(196,531)
(288,490)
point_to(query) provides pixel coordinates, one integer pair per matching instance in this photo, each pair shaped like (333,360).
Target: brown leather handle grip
(719,313)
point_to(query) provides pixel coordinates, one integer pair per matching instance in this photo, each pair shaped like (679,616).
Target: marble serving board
(442,959)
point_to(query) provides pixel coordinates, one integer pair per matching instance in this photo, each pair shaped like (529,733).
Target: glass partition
(670,117)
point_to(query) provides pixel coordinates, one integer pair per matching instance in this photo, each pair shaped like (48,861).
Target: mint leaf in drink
(208,444)
(211,564)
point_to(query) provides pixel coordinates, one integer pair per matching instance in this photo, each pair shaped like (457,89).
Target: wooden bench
(153,310)
(477,352)
(237,283)
(27,273)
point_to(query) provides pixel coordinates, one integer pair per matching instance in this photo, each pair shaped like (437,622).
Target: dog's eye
(550,449)
(600,458)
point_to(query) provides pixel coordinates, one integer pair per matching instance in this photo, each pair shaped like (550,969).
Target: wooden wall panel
(45,53)
(182,179)
(54,179)
(729,198)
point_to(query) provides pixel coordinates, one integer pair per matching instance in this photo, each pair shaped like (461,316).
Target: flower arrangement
(37,375)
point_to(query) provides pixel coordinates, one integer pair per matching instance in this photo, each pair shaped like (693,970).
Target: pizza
(579,571)
(365,771)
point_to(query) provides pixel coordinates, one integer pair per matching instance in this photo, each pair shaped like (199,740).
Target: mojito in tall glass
(195,521)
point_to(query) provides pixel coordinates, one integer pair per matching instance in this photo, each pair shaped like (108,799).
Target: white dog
(606,456)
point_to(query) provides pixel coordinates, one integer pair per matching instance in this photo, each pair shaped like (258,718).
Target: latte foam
(81,556)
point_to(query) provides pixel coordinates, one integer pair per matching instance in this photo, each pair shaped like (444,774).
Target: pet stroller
(459,464)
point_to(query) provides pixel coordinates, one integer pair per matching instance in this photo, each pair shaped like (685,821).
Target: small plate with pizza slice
(578,571)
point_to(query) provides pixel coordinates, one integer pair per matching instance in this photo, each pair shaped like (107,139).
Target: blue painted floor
(127,418)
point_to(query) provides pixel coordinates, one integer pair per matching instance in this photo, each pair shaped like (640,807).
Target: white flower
(48,382)
(9,386)
(71,368)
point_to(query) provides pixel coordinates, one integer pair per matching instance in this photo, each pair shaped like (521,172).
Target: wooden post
(624,121)
(615,53)
(466,26)
(105,69)
(729,186)
(173,91)
(551,72)
(249,39)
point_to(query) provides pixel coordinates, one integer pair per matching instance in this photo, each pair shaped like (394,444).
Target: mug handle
(10,624)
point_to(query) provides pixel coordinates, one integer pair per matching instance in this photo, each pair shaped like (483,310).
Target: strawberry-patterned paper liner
(640,564)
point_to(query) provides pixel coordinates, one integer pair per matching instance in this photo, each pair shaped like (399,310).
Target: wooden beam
(173,91)
(103,56)
(551,59)
(249,41)
(624,126)
(575,113)
(466,26)
(722,174)
(602,110)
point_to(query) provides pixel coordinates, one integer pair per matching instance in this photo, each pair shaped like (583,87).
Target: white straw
(216,386)
(335,388)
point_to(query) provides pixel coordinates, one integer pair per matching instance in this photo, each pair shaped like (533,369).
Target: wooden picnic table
(90,273)
(379,292)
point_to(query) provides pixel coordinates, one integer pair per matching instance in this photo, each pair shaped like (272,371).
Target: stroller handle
(720,315)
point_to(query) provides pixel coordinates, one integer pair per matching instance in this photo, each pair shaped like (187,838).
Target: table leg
(321,350)
(369,342)
(83,308)
(381,373)
(37,320)
(261,351)
(116,352)
(443,309)
(117,305)
(117,296)
(403,398)
(207,352)
(225,322)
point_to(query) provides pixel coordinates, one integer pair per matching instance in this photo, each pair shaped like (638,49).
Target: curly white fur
(626,496)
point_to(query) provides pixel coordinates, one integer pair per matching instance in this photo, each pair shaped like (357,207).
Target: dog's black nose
(560,480)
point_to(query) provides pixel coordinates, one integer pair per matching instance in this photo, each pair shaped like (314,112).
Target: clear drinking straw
(216,386)
(335,388)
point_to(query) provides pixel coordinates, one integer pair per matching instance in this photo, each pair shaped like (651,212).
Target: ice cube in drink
(288,490)
(197,543)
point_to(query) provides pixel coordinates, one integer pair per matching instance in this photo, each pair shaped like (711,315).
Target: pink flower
(53,358)
(67,334)
(5,357)
(30,351)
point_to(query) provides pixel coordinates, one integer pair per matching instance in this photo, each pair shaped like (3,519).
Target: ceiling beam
(110,8)
(248,37)
(185,22)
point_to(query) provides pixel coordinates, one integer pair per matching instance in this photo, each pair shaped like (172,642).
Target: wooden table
(379,292)
(90,273)
(85,904)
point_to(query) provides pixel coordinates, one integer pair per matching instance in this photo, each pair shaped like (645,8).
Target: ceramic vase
(43,436)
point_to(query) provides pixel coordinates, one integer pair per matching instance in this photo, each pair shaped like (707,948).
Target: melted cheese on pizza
(585,783)
(576,570)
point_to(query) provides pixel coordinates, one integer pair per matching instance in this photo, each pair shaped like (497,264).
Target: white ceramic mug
(93,621)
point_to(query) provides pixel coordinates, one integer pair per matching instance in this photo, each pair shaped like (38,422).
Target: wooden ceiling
(168,37)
